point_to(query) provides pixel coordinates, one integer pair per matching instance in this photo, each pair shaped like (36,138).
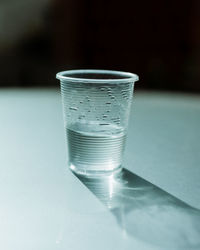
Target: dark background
(158,40)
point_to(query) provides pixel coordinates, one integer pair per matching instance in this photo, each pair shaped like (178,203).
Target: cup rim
(124,77)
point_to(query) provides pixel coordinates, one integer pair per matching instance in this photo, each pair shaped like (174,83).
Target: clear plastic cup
(96,107)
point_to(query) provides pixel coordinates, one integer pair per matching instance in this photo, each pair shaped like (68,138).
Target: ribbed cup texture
(90,151)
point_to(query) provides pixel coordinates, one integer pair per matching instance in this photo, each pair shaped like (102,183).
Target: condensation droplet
(81,116)
(115,119)
(73,108)
(108,103)
(104,116)
(104,124)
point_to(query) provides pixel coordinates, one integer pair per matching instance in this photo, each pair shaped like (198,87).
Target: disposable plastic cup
(96,108)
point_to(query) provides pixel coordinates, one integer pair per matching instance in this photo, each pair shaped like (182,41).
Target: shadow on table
(146,212)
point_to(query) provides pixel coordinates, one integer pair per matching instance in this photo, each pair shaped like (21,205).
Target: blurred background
(158,40)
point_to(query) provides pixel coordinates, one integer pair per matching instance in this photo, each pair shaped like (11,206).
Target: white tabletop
(43,206)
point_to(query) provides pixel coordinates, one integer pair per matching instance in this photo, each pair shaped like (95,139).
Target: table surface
(153,204)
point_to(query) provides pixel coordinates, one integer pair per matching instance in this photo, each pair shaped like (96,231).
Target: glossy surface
(44,206)
(147,213)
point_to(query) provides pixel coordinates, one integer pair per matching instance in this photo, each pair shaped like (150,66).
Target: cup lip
(128,77)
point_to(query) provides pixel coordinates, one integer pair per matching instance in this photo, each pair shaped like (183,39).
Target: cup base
(93,173)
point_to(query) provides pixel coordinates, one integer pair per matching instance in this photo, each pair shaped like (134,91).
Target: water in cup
(95,146)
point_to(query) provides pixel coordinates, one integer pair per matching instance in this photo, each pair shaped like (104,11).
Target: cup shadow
(146,212)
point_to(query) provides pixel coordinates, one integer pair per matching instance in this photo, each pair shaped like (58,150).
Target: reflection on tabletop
(147,212)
